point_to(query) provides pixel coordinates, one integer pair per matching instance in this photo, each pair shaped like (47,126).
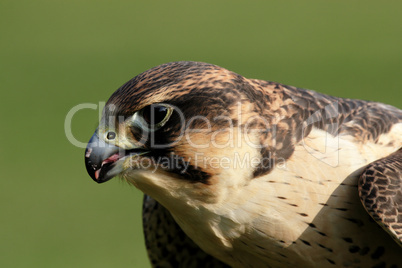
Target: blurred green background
(55,55)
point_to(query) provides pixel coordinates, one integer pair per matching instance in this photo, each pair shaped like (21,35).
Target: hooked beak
(101,158)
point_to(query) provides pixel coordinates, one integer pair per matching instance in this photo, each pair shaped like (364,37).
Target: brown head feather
(281,115)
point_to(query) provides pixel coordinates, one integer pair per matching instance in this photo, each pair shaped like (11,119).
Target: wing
(380,190)
(364,120)
(294,112)
(167,245)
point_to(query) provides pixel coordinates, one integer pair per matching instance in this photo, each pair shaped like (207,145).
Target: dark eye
(156,115)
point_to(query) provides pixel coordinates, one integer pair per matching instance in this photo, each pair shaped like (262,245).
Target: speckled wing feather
(167,245)
(301,110)
(380,190)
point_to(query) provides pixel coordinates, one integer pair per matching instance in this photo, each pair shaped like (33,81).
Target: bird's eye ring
(156,115)
(111,135)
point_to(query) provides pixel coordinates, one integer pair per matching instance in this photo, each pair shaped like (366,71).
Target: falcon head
(184,130)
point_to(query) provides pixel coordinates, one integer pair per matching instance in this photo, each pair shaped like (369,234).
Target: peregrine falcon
(249,173)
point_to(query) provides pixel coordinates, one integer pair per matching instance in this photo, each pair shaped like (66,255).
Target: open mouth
(107,165)
(109,168)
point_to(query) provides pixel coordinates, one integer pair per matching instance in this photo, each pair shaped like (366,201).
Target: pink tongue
(97,174)
(111,159)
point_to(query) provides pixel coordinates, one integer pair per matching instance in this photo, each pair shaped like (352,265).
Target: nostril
(111,135)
